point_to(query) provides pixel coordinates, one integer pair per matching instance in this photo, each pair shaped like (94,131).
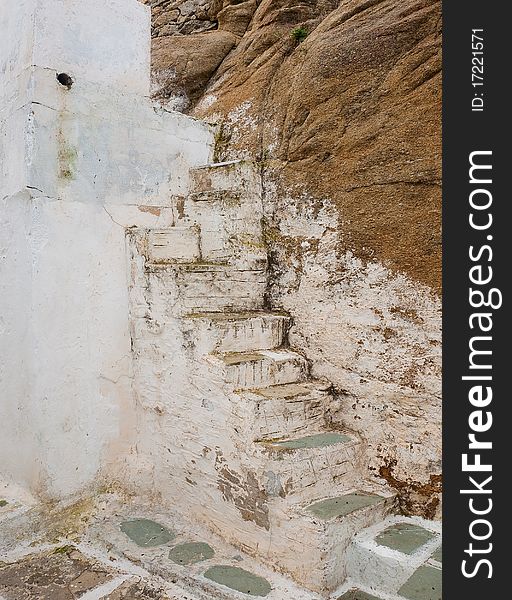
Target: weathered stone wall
(172,17)
(345,116)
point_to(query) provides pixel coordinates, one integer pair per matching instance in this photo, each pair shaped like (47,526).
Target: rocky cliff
(340,102)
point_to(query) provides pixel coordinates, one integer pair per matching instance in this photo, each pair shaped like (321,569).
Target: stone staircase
(285,481)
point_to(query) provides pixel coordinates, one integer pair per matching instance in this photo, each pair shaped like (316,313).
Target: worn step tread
(292,390)
(340,506)
(239,358)
(237,316)
(315,440)
(200,267)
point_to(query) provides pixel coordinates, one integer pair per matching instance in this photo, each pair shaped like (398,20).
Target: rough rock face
(340,101)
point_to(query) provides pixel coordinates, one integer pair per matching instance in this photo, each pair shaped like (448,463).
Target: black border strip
(466,130)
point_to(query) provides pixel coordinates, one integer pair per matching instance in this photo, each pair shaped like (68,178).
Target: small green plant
(299,34)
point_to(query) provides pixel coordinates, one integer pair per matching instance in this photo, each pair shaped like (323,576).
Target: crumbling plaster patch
(374,333)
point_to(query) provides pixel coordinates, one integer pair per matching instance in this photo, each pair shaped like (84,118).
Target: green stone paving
(342,505)
(239,580)
(438,554)
(320,440)
(357,595)
(146,533)
(404,537)
(190,553)
(424,584)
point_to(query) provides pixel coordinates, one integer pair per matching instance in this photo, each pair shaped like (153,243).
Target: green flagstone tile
(146,533)
(438,554)
(424,584)
(190,553)
(239,579)
(342,505)
(404,537)
(320,440)
(357,595)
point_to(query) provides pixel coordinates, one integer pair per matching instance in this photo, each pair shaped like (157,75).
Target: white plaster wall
(78,167)
(101,41)
(17,444)
(375,334)
(16,46)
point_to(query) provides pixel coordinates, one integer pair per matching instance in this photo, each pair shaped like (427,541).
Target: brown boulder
(185,63)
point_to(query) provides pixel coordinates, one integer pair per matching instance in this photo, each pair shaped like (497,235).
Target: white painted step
(310,541)
(287,410)
(311,466)
(244,370)
(382,558)
(205,287)
(174,244)
(237,332)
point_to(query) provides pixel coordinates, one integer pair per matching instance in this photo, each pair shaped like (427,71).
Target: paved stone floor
(121,551)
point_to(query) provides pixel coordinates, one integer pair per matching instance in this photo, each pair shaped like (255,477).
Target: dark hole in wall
(65,80)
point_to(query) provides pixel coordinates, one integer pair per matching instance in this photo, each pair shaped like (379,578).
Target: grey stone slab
(424,584)
(341,506)
(147,533)
(404,537)
(320,440)
(190,553)
(239,579)
(357,595)
(438,554)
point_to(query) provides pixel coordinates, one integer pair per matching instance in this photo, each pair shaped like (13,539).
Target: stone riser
(238,176)
(277,418)
(225,288)
(265,372)
(228,233)
(174,244)
(236,334)
(177,292)
(309,474)
(288,411)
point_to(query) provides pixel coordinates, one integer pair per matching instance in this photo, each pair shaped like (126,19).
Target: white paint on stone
(203,404)
(134,281)
(79,165)
(382,569)
(374,334)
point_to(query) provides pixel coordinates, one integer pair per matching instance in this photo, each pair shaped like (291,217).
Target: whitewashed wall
(78,166)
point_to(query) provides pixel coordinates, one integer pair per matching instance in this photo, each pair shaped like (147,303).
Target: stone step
(311,466)
(287,410)
(233,175)
(225,201)
(237,332)
(174,244)
(205,287)
(386,557)
(245,370)
(310,542)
